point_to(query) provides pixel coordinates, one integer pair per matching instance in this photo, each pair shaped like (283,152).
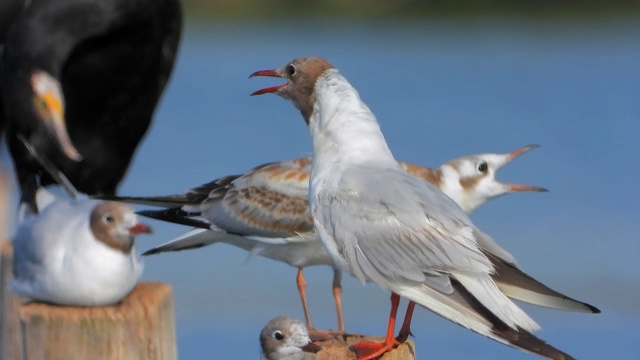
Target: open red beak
(521,151)
(519,188)
(140,228)
(515,154)
(269,73)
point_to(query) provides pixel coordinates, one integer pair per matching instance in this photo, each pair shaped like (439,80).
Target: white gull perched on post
(382,225)
(76,251)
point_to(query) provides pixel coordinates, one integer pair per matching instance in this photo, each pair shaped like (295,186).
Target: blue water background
(441,89)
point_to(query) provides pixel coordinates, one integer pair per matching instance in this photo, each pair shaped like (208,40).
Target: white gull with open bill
(385,226)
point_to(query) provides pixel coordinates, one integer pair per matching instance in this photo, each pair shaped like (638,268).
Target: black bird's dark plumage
(112,58)
(9,10)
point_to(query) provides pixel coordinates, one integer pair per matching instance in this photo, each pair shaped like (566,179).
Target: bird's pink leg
(405,330)
(370,351)
(302,290)
(315,335)
(337,295)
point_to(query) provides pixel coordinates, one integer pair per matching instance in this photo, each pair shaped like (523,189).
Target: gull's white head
(471,181)
(301,76)
(285,338)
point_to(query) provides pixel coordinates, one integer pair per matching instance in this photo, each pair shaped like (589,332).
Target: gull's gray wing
(405,229)
(403,233)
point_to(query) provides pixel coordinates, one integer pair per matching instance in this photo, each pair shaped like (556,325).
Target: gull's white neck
(343,129)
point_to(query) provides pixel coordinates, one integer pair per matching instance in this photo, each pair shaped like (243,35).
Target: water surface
(441,90)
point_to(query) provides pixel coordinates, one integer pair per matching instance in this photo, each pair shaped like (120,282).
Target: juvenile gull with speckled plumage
(74,250)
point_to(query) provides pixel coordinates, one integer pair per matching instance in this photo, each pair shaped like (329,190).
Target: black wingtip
(107,197)
(593,309)
(160,249)
(151,252)
(176,216)
(526,341)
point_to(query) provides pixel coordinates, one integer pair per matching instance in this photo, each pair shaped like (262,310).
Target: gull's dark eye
(42,104)
(482,167)
(278,335)
(291,70)
(108,218)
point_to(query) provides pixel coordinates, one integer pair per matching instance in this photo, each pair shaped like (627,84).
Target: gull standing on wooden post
(385,226)
(75,251)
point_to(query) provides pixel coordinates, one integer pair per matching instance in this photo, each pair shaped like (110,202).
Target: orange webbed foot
(370,351)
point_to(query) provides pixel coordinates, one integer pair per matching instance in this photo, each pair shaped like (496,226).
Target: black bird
(94,69)
(9,10)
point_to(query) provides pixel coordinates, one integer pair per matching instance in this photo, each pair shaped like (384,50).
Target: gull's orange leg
(302,289)
(337,295)
(405,330)
(370,351)
(315,335)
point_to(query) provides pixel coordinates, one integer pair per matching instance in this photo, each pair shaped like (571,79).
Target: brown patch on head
(470,183)
(302,75)
(428,174)
(106,223)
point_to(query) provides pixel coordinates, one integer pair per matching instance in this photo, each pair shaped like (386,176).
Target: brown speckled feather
(270,200)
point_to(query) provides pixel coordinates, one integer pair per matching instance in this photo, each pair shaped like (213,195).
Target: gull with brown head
(382,225)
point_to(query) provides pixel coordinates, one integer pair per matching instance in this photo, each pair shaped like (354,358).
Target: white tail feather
(440,304)
(539,299)
(482,287)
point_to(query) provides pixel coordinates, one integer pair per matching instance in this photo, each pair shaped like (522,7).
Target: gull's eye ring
(108,218)
(291,70)
(278,335)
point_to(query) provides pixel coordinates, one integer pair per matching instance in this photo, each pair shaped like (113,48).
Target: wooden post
(141,327)
(6,202)
(338,349)
(10,345)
